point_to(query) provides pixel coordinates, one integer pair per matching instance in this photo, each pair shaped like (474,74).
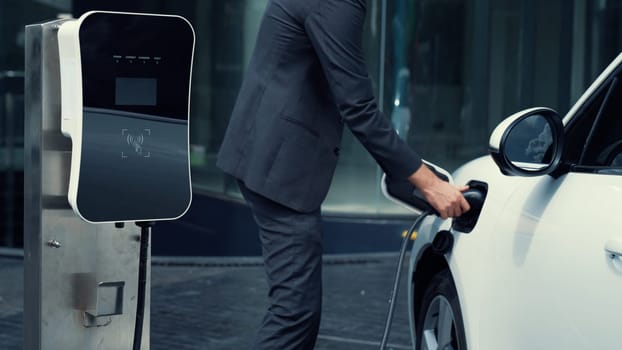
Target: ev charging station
(106,155)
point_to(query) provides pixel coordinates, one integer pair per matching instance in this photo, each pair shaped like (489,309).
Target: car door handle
(614,248)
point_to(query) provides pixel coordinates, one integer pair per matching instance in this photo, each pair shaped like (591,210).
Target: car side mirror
(528,143)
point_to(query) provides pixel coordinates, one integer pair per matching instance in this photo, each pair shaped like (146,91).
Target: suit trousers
(292,253)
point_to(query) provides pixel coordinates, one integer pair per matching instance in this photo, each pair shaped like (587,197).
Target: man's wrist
(423,178)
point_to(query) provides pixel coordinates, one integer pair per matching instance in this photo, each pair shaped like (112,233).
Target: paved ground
(218,305)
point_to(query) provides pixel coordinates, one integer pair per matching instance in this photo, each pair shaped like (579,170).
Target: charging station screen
(135,91)
(137,64)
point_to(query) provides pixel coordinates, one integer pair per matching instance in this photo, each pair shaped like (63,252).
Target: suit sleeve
(335,30)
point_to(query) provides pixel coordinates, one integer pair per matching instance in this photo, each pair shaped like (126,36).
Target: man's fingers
(449,201)
(464,205)
(443,211)
(455,208)
(457,211)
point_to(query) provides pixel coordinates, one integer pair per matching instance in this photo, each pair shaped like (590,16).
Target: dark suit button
(336,151)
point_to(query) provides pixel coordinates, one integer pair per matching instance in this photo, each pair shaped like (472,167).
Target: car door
(555,278)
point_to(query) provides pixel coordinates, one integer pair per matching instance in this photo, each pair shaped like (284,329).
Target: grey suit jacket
(307,77)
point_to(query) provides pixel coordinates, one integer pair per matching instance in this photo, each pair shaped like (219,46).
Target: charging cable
(145,233)
(396,280)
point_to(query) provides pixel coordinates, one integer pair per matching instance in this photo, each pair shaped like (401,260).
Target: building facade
(445,72)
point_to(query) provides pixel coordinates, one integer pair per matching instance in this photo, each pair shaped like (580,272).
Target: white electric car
(542,265)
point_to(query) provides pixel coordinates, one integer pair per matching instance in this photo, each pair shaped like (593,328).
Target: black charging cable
(145,233)
(396,280)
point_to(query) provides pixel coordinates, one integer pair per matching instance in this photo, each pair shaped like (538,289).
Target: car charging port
(475,195)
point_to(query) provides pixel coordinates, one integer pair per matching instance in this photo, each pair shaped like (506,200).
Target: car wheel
(439,319)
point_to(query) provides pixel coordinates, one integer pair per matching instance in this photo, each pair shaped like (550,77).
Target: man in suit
(306,79)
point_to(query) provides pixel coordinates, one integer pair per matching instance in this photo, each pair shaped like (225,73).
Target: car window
(594,139)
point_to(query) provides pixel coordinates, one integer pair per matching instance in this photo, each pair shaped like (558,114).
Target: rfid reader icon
(136,142)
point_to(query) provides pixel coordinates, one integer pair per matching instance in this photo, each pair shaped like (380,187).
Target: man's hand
(446,198)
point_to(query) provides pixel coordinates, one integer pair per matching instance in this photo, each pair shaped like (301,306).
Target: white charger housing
(125,98)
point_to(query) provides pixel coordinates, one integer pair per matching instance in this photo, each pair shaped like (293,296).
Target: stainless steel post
(80,279)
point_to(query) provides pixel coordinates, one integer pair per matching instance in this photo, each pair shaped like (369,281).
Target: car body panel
(470,256)
(467,247)
(551,284)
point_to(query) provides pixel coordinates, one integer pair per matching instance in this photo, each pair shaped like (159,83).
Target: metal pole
(81,280)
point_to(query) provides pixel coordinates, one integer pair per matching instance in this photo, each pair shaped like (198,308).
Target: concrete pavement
(217,303)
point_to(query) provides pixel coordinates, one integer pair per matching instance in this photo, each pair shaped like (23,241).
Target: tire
(439,319)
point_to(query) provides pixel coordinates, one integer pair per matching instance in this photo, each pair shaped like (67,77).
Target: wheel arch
(428,265)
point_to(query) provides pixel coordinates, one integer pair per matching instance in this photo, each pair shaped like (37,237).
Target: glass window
(439,82)
(445,72)
(14,15)
(226,33)
(579,127)
(602,21)
(355,189)
(603,144)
